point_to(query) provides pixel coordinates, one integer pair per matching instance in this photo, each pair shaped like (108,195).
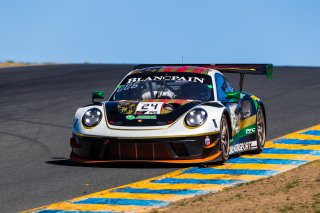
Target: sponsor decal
(146,117)
(127,87)
(166,78)
(250,131)
(241,147)
(235,117)
(207,141)
(127,107)
(130,117)
(141,117)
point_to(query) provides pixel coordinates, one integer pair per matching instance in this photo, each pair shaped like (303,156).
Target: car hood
(152,112)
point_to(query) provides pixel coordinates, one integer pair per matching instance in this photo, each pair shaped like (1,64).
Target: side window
(229,87)
(223,86)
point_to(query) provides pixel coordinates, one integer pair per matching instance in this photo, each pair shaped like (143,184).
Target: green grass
(199,198)
(291,185)
(286,209)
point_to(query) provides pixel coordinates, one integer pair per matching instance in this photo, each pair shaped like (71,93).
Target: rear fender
(258,102)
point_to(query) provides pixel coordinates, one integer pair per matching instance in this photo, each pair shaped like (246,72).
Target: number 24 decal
(147,106)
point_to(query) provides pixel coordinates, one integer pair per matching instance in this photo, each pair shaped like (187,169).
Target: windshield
(143,86)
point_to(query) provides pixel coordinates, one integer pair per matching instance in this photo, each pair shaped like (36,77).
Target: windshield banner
(167,78)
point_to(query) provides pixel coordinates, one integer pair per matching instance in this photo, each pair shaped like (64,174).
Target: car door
(223,86)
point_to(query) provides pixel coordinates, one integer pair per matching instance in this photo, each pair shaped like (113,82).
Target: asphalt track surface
(37,106)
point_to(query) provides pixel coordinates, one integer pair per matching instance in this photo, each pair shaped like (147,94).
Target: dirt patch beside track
(297,190)
(13,64)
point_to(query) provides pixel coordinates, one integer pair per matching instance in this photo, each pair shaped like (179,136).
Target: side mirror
(233,97)
(97,95)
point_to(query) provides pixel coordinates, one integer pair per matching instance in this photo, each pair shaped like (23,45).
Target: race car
(177,113)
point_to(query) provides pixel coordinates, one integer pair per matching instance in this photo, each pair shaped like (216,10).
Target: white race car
(172,114)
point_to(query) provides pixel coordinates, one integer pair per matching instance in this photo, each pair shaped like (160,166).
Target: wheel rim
(224,138)
(261,131)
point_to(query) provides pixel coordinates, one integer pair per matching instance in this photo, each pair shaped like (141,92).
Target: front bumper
(199,149)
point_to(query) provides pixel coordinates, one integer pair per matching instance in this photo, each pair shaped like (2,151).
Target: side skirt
(244,144)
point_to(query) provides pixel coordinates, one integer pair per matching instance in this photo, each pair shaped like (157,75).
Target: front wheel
(261,130)
(224,139)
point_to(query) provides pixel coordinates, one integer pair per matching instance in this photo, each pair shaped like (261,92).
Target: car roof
(173,69)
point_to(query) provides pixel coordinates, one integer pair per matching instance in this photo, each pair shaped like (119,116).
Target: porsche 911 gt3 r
(172,114)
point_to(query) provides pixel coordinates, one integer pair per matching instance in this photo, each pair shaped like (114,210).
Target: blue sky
(283,32)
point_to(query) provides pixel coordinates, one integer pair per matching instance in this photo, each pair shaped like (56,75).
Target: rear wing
(251,69)
(242,69)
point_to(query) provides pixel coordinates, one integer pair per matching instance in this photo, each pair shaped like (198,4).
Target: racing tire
(224,139)
(260,131)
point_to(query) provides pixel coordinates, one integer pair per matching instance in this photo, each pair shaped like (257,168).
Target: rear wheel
(224,139)
(261,130)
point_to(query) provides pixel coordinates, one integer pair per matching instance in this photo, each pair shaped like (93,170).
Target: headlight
(92,117)
(196,117)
